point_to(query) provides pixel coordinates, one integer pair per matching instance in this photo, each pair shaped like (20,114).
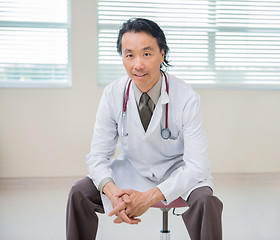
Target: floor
(32,209)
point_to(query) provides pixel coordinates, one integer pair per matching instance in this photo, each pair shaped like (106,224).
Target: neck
(146,88)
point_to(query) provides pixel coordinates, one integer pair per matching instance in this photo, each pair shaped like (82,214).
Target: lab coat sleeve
(104,140)
(197,166)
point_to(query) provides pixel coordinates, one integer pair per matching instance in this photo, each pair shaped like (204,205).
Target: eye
(147,54)
(129,55)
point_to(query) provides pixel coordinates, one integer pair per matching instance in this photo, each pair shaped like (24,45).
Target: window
(227,44)
(35,43)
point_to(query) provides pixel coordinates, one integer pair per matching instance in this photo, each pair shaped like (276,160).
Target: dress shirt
(154,94)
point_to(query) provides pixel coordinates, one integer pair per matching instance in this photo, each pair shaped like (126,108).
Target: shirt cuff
(104,182)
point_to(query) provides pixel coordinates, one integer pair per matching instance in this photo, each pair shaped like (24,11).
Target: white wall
(47,132)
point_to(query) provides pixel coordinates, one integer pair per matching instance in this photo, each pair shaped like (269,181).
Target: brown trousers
(202,219)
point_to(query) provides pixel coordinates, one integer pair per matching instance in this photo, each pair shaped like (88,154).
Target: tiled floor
(32,209)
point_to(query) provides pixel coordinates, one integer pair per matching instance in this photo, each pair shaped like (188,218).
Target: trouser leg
(203,218)
(81,219)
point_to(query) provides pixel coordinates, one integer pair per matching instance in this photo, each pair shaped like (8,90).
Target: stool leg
(165,233)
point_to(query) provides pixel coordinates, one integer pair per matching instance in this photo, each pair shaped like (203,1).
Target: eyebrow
(148,48)
(144,49)
(127,50)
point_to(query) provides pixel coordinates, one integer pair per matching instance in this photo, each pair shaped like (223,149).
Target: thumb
(123,192)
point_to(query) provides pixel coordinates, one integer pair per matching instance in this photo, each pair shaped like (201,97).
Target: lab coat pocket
(172,148)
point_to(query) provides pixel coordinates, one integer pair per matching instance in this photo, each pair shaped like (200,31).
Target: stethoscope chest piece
(165,133)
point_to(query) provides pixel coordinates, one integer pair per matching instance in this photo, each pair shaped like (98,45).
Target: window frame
(46,83)
(215,84)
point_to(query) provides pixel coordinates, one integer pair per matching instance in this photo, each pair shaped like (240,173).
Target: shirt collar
(154,92)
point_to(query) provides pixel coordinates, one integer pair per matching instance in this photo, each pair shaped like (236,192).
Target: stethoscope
(165,132)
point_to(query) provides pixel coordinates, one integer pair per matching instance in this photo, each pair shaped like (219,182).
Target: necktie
(145,112)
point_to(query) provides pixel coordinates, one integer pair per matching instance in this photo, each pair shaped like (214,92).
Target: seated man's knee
(74,191)
(79,188)
(205,199)
(209,201)
(203,196)
(84,190)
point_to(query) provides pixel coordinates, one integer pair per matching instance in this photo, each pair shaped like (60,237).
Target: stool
(178,203)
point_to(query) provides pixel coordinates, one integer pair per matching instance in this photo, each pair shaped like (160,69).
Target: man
(156,118)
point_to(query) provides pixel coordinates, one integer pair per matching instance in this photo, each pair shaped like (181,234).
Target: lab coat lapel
(159,109)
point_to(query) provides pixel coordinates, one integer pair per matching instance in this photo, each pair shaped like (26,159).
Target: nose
(138,64)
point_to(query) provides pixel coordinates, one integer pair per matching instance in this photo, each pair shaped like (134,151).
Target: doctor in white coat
(155,119)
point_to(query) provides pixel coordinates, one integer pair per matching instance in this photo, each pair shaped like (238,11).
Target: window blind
(212,43)
(35,43)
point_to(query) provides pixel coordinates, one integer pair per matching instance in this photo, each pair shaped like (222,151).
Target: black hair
(148,26)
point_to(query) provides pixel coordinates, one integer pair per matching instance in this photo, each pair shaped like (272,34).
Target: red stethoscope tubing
(126,97)
(166,105)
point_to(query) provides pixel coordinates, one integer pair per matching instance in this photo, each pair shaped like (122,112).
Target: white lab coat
(176,165)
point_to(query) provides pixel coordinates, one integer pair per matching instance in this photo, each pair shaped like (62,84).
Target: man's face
(142,58)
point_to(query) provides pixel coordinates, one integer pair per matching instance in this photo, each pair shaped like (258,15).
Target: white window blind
(35,43)
(220,43)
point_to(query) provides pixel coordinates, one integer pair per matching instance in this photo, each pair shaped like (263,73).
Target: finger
(124,217)
(118,220)
(117,209)
(135,220)
(130,212)
(122,192)
(128,220)
(126,198)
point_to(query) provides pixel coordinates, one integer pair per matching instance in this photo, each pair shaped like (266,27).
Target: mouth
(140,75)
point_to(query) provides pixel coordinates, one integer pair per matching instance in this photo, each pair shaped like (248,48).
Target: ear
(162,55)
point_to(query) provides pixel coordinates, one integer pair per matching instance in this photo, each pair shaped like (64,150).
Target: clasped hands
(129,204)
